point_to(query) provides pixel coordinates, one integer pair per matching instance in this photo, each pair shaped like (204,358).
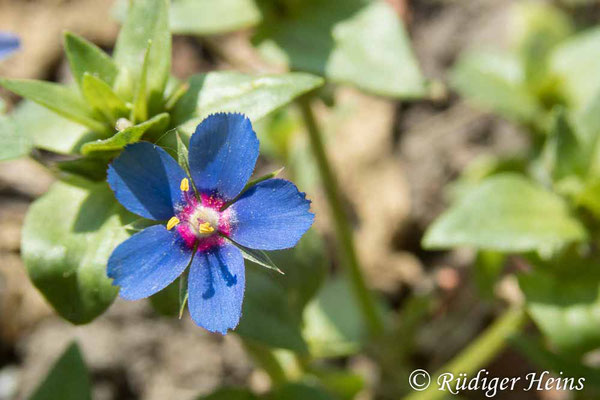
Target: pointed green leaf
(84,56)
(146,20)
(101,97)
(508,213)
(49,131)
(57,98)
(13,144)
(130,135)
(254,96)
(68,379)
(68,235)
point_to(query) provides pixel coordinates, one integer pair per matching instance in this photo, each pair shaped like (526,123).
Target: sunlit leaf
(85,56)
(68,379)
(254,96)
(506,212)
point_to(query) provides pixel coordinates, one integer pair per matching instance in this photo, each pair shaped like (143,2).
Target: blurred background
(394,161)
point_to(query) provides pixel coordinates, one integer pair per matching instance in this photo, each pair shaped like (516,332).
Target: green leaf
(68,235)
(372,51)
(85,56)
(538,28)
(13,144)
(130,135)
(209,17)
(57,98)
(183,293)
(496,82)
(147,20)
(254,96)
(564,154)
(49,131)
(101,97)
(333,325)
(229,393)
(182,154)
(563,298)
(361,43)
(68,379)
(508,213)
(273,303)
(574,61)
(206,17)
(266,314)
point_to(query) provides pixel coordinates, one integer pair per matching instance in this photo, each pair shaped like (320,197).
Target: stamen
(184,185)
(172,223)
(206,228)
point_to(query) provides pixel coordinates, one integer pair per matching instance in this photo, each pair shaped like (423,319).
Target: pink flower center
(202,223)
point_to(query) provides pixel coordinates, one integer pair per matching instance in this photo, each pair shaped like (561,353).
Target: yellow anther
(184,185)
(172,223)
(206,228)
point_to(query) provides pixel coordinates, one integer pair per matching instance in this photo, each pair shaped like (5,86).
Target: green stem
(478,354)
(343,229)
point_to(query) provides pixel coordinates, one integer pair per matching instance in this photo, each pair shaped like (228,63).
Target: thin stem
(343,229)
(478,353)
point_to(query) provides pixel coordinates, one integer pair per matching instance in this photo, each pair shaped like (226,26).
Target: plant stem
(343,229)
(478,353)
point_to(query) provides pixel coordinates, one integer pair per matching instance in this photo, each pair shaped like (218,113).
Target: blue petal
(216,288)
(271,215)
(8,43)
(146,181)
(148,262)
(223,153)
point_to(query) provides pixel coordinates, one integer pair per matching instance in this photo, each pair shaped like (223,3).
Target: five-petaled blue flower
(271,215)
(8,44)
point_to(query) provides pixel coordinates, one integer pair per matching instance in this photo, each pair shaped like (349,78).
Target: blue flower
(8,44)
(271,215)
